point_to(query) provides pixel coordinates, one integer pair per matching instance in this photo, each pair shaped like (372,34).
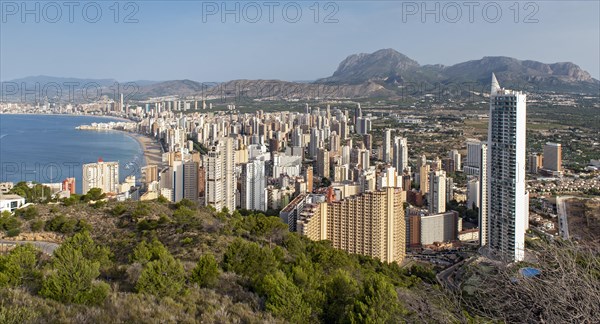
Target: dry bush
(566,291)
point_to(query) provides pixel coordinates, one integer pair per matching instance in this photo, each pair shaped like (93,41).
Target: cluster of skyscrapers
(320,168)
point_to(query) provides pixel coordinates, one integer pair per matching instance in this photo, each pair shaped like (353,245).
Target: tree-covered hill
(161,262)
(156,262)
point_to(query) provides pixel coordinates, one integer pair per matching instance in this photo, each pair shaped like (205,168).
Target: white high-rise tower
(220,177)
(253,185)
(103,175)
(437,192)
(400,159)
(506,158)
(387,146)
(483,196)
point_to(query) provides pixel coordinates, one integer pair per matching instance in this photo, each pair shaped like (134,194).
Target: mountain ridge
(382,73)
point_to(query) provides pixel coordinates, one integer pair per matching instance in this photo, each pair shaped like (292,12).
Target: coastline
(151,149)
(69,115)
(41,144)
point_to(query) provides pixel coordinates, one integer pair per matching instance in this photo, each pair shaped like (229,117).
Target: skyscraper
(400,160)
(220,178)
(103,175)
(308,177)
(437,192)
(313,146)
(190,180)
(387,146)
(253,185)
(323,163)
(534,163)
(357,113)
(506,173)
(473,162)
(455,156)
(483,196)
(424,178)
(368,141)
(334,143)
(553,157)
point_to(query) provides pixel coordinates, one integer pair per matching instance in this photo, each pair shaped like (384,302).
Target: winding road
(46,247)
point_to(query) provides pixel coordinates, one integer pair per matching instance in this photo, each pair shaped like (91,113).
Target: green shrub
(283,298)
(119,209)
(13,232)
(141,210)
(93,194)
(19,266)
(249,259)
(64,225)
(145,252)
(9,222)
(187,241)
(162,277)
(28,213)
(37,225)
(206,272)
(146,225)
(84,243)
(17,315)
(76,265)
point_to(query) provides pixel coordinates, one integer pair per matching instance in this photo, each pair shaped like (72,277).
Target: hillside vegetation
(161,262)
(150,262)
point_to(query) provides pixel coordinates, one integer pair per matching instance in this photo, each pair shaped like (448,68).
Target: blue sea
(48,148)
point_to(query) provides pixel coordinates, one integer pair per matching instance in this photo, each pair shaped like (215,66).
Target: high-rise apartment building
(103,175)
(334,143)
(314,144)
(357,113)
(534,163)
(456,157)
(289,214)
(323,163)
(439,227)
(506,173)
(368,141)
(219,163)
(483,195)
(449,189)
(387,146)
(308,177)
(149,174)
(400,160)
(253,180)
(437,192)
(473,193)
(190,180)
(363,125)
(473,162)
(370,224)
(424,178)
(553,157)
(184,180)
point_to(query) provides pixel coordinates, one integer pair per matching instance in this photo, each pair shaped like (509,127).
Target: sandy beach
(152,151)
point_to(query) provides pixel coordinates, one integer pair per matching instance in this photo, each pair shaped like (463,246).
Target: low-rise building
(11,202)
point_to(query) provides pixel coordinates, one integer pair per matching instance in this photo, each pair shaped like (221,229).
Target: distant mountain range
(384,73)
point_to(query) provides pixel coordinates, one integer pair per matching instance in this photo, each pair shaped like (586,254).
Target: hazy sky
(192,40)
